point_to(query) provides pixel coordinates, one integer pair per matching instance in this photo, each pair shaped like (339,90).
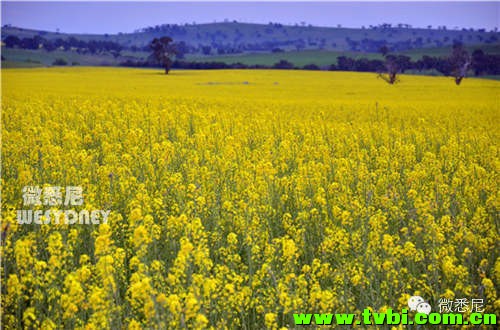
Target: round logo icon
(417,303)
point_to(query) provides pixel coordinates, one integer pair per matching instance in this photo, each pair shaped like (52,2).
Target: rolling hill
(261,44)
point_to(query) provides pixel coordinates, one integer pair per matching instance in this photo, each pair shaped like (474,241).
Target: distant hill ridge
(235,37)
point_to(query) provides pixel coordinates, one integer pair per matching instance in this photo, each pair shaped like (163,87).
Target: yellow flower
(230,198)
(134,325)
(201,321)
(174,304)
(270,319)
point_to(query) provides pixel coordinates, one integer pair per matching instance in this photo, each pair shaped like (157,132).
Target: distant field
(283,36)
(318,57)
(322,58)
(490,77)
(16,64)
(18,58)
(44,58)
(415,54)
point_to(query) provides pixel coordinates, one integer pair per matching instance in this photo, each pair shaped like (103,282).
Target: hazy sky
(114,17)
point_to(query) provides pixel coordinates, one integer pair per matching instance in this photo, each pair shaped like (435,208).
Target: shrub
(59,61)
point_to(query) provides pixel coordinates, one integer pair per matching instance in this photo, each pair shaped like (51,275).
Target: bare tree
(392,69)
(460,61)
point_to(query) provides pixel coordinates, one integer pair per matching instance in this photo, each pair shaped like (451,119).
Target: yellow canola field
(238,198)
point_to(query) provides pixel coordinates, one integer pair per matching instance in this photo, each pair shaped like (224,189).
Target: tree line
(488,65)
(458,64)
(164,50)
(231,38)
(71,43)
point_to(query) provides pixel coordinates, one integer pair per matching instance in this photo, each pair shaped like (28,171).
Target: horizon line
(293,25)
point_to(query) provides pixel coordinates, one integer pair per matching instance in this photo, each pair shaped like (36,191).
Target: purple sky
(114,17)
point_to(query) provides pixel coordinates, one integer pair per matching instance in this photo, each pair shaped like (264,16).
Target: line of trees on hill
(232,38)
(235,40)
(71,43)
(480,62)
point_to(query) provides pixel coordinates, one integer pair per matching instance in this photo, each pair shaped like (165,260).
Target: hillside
(231,42)
(322,58)
(254,37)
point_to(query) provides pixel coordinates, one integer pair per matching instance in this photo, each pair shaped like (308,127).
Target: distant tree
(206,50)
(366,65)
(362,65)
(49,45)
(443,66)
(384,50)
(403,62)
(478,61)
(59,61)
(163,51)
(345,63)
(460,62)
(28,43)
(182,49)
(300,44)
(311,67)
(12,41)
(392,69)
(485,64)
(427,62)
(283,64)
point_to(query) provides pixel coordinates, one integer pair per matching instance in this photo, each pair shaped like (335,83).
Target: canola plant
(237,198)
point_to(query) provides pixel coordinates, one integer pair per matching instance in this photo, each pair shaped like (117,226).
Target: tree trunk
(167,70)
(392,78)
